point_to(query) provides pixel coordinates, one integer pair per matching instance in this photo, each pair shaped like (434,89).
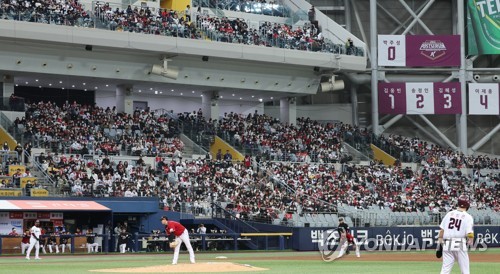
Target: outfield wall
(388,238)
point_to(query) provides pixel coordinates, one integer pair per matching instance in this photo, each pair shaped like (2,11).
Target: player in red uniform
(173,228)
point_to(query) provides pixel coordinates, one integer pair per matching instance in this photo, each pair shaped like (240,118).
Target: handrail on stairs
(222,211)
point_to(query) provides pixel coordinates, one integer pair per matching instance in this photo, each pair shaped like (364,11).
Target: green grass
(289,263)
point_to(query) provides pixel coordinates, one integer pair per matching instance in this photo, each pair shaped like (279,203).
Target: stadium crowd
(415,150)
(306,182)
(307,141)
(81,129)
(271,8)
(263,190)
(166,22)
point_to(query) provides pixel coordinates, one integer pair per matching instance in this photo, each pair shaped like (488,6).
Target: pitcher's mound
(179,268)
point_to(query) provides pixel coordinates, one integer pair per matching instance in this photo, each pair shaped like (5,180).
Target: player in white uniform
(36,232)
(455,234)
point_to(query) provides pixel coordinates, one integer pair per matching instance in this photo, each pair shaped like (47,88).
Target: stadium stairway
(6,128)
(231,222)
(357,156)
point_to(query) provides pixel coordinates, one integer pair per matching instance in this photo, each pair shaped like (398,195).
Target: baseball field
(253,262)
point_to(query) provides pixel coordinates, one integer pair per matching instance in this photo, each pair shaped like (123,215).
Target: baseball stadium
(260,136)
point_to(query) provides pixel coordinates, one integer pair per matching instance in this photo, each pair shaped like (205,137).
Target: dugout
(53,214)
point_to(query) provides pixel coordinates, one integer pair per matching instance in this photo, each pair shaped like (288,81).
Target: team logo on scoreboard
(433,49)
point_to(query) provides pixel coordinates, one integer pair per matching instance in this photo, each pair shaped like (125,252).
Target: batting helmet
(463,201)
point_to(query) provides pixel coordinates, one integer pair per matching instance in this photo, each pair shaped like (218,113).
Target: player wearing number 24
(455,234)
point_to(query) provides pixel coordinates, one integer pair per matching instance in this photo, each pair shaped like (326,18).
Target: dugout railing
(76,244)
(139,242)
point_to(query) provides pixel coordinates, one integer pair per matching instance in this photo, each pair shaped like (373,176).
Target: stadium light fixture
(332,84)
(164,70)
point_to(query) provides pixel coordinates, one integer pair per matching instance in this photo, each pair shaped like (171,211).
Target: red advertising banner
(432,50)
(16,215)
(43,215)
(56,216)
(419,98)
(57,222)
(58,205)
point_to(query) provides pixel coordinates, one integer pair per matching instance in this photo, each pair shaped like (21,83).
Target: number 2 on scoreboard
(420,101)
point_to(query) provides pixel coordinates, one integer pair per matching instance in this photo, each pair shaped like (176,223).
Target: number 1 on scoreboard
(391,96)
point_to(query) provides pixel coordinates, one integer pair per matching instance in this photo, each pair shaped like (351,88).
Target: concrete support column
(462,118)
(288,110)
(210,105)
(6,90)
(354,104)
(374,66)
(7,86)
(124,102)
(260,108)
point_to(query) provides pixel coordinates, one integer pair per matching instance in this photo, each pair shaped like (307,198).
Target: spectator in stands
(19,150)
(218,156)
(349,46)
(28,187)
(5,150)
(311,14)
(16,178)
(228,157)
(187,11)
(27,173)
(27,150)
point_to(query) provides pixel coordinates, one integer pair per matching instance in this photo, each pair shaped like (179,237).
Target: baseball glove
(439,251)
(174,243)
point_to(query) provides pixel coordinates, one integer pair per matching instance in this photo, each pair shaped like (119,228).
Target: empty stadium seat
(348,221)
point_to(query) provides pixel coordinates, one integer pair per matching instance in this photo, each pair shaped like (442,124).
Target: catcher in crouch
(346,239)
(177,234)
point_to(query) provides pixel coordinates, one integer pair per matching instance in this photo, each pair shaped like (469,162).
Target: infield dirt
(218,267)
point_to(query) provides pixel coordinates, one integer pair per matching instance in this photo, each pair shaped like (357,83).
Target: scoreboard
(414,98)
(419,98)
(419,50)
(484,99)
(437,98)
